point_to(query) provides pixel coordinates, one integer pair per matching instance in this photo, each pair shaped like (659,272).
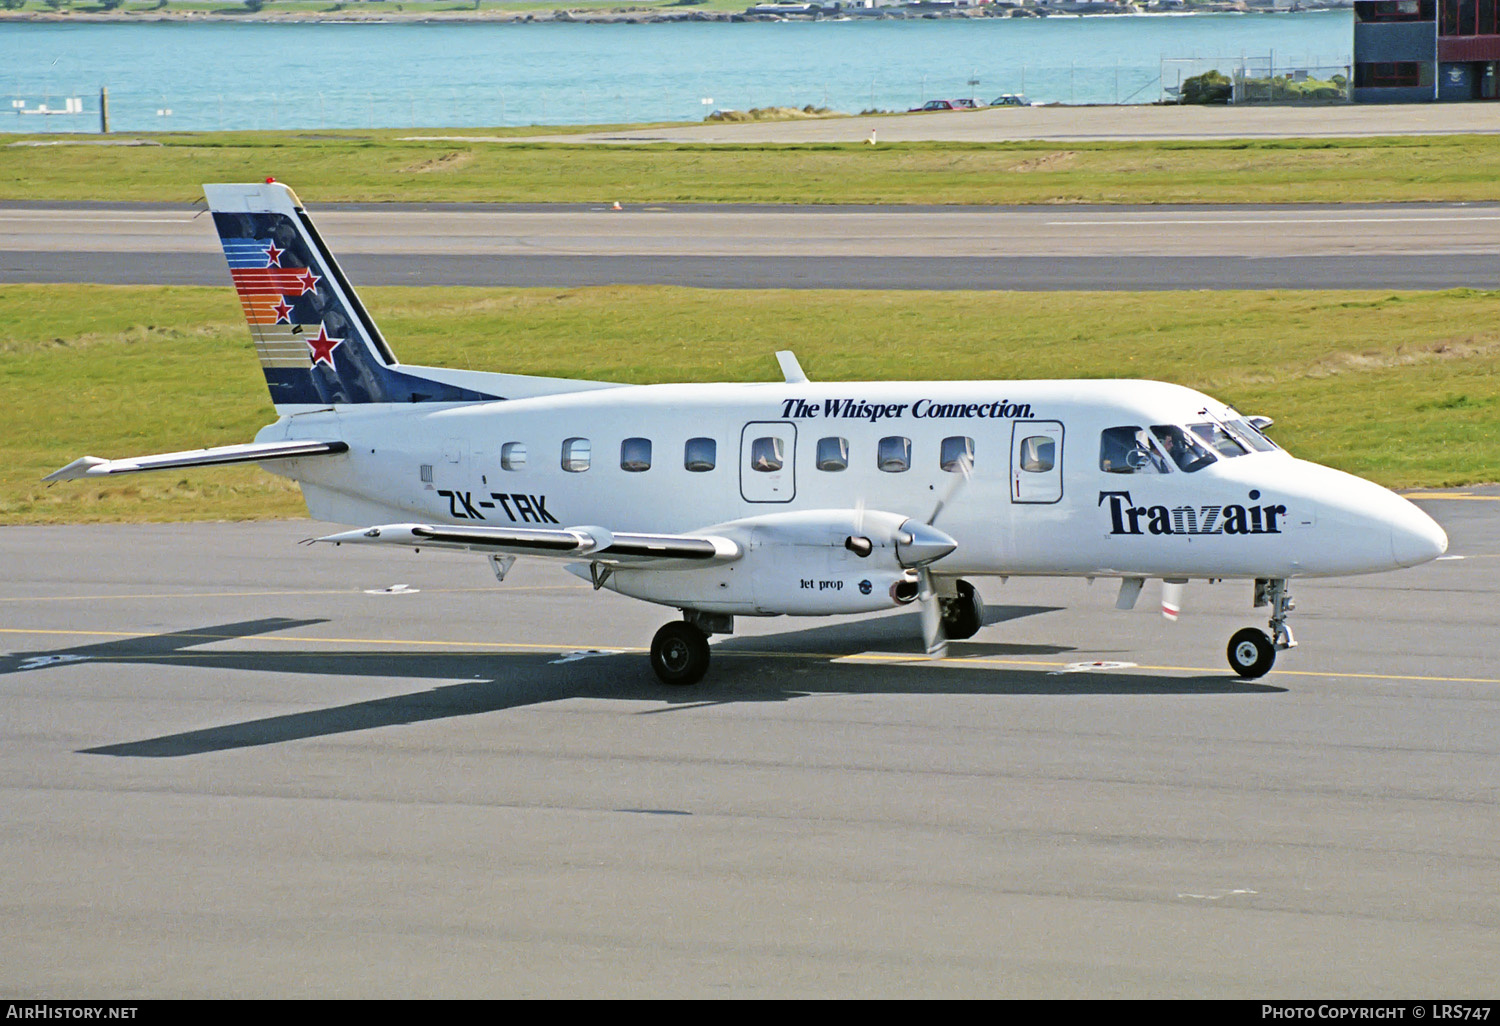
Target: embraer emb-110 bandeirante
(797,497)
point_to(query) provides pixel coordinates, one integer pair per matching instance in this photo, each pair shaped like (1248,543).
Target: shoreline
(627,15)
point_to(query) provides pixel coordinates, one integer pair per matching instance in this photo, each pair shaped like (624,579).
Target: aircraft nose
(1416,537)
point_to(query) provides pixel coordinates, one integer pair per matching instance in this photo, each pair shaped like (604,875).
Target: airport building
(1413,51)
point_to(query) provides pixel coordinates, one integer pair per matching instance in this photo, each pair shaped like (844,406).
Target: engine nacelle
(809,563)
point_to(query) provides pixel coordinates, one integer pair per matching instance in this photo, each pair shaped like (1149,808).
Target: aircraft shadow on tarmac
(762,669)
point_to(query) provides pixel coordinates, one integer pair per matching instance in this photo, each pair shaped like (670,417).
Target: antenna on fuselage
(790,368)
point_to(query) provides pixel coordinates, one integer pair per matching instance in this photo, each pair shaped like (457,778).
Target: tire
(679,654)
(963,614)
(1251,653)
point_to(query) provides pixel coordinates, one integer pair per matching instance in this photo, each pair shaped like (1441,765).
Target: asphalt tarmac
(1417,246)
(234,766)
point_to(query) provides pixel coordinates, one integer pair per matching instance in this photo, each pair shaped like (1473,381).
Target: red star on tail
(322,347)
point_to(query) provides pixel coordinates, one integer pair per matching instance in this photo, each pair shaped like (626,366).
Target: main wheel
(963,614)
(679,653)
(1251,653)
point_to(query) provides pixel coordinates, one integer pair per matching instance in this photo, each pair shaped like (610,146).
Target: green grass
(381,165)
(1398,387)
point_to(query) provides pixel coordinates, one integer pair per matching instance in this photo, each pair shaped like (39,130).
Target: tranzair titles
(872,497)
(861,409)
(1126,518)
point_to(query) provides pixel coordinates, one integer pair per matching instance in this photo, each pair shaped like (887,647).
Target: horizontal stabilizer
(252,452)
(595,544)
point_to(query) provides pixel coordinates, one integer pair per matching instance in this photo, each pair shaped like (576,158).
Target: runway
(233,766)
(1418,246)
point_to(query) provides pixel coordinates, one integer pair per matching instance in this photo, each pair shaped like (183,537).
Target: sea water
(172,75)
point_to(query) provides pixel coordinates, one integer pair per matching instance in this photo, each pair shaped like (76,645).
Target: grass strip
(384,165)
(1400,387)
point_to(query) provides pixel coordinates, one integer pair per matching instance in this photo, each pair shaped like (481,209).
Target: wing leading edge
(596,544)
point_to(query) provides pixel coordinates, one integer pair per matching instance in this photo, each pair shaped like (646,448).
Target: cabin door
(767,473)
(1036,450)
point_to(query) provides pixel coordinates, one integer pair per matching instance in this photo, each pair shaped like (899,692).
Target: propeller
(934,638)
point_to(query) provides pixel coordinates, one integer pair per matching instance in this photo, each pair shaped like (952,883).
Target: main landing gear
(1252,652)
(679,652)
(963,613)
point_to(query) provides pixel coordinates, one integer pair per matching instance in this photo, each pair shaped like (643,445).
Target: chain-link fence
(1271,78)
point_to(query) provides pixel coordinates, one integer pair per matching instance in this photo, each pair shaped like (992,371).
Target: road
(1113,247)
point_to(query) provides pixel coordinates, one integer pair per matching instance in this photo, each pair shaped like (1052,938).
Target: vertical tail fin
(316,341)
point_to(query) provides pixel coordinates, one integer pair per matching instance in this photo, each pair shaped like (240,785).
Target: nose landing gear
(1252,652)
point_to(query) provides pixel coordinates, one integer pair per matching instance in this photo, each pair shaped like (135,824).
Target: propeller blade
(1171,599)
(933,636)
(961,478)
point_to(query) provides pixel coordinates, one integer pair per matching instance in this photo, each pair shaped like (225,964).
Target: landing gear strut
(1252,652)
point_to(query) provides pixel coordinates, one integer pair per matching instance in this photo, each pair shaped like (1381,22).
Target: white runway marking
(395,589)
(588,653)
(1098,664)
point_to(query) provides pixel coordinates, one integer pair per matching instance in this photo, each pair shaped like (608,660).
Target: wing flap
(224,455)
(594,544)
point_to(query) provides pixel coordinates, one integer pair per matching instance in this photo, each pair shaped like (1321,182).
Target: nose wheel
(679,653)
(1252,652)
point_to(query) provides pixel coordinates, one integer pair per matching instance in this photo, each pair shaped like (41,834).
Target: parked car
(968,103)
(1010,100)
(934,105)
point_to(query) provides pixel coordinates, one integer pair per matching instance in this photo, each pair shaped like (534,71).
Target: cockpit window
(1182,448)
(1249,435)
(1130,450)
(1219,440)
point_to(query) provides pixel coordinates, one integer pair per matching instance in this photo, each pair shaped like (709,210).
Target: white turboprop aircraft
(797,497)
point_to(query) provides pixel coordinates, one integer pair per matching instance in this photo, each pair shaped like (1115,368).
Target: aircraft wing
(251,452)
(593,544)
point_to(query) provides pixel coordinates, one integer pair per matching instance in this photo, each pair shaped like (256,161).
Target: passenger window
(700,455)
(956,453)
(1185,450)
(894,454)
(635,455)
(513,456)
(766,455)
(1130,450)
(833,454)
(576,455)
(1038,454)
